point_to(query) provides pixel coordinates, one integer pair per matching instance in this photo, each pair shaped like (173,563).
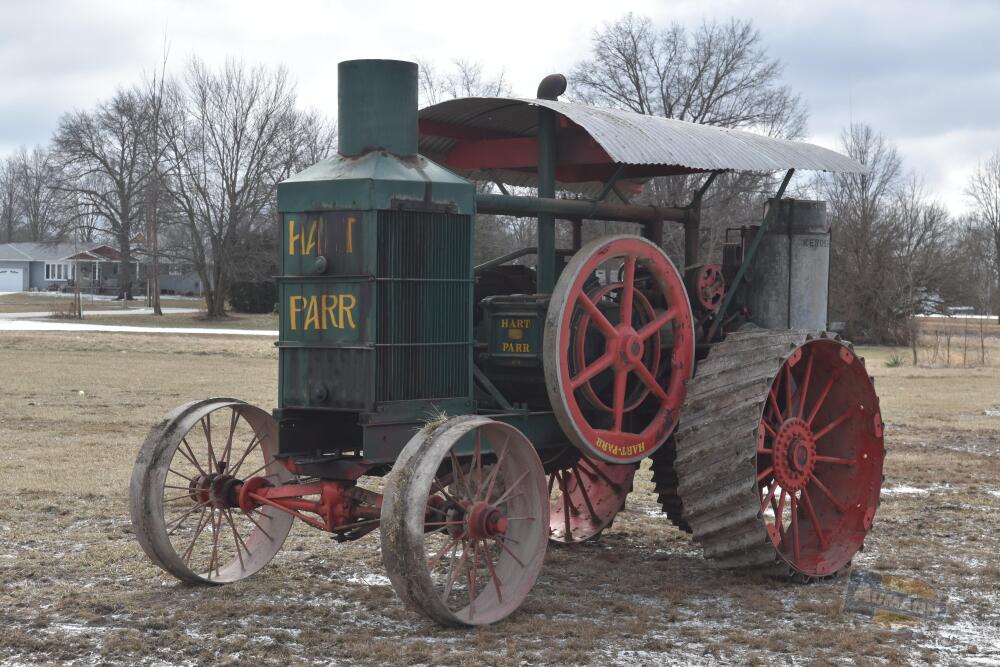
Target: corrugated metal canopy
(649,145)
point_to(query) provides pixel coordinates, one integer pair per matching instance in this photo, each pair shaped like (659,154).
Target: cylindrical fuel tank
(790,277)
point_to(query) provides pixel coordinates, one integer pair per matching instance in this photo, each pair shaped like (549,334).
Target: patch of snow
(992,412)
(21,325)
(905,490)
(369,579)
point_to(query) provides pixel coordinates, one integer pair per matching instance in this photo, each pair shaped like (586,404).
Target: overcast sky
(926,74)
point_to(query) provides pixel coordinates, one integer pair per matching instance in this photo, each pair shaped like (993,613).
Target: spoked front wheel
(465,521)
(182,496)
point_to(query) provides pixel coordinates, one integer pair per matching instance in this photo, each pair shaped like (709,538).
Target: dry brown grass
(74,585)
(44,303)
(196,320)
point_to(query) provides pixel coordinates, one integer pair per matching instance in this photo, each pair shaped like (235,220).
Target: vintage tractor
(507,405)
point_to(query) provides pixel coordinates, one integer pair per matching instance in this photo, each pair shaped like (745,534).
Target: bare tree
(40,201)
(718,74)
(984,191)
(9,197)
(107,162)
(464,78)
(234,136)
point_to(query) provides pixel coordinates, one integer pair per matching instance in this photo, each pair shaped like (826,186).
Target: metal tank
(790,277)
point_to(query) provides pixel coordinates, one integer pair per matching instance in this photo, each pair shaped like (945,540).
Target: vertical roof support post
(547,159)
(550,88)
(772,213)
(692,227)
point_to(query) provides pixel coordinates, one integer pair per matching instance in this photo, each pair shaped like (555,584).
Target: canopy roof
(493,138)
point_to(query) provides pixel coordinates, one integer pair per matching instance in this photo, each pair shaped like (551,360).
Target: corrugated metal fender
(634,139)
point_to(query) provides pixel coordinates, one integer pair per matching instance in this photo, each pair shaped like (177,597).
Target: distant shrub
(895,361)
(252,297)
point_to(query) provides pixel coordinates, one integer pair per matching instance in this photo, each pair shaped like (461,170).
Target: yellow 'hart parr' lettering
(324,311)
(304,242)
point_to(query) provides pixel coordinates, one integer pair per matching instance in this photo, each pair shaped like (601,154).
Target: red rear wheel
(613,388)
(819,457)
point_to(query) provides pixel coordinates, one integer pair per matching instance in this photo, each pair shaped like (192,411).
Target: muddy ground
(76,589)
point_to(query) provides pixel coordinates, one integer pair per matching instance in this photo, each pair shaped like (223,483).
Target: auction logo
(893,599)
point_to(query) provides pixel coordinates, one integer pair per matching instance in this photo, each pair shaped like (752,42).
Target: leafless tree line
(189,164)
(178,168)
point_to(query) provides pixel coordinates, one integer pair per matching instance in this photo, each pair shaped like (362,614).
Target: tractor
(472,413)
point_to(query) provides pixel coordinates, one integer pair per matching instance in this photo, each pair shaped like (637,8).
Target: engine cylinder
(789,280)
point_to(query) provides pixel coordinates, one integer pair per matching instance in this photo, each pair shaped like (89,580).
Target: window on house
(58,271)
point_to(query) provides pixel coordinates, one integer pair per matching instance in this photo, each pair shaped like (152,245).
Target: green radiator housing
(375,303)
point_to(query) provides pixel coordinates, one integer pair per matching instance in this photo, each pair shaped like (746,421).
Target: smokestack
(377,107)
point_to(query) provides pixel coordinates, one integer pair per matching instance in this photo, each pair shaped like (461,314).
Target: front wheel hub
(485,521)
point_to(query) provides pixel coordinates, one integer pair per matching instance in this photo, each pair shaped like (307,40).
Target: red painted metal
(522,153)
(819,457)
(620,352)
(586,497)
(710,287)
(337,504)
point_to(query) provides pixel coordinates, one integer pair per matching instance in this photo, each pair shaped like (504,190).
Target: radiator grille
(424,334)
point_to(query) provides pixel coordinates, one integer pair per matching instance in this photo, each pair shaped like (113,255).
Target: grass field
(75,587)
(27,302)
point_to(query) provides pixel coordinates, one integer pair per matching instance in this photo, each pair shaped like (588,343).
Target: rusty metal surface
(633,139)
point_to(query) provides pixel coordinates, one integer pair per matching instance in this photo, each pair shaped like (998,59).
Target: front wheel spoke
(473,572)
(189,455)
(597,316)
(229,439)
(433,562)
(600,365)
(812,517)
(764,473)
(460,474)
(259,527)
(503,545)
(180,475)
(507,493)
(206,426)
(491,480)
(497,583)
(233,469)
(822,487)
(215,543)
(238,539)
(439,488)
(173,526)
(660,321)
(186,496)
(450,581)
(202,522)
(647,379)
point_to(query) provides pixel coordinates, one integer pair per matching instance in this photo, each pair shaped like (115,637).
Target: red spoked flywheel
(618,355)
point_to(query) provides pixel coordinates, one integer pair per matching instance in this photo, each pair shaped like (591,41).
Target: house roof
(53,252)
